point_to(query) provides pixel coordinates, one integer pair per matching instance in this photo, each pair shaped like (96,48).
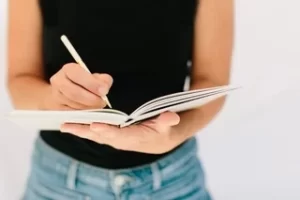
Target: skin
(28,89)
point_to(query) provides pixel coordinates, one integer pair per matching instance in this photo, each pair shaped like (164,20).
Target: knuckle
(57,80)
(68,67)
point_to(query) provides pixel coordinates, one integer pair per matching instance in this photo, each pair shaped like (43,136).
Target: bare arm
(211,62)
(70,88)
(25,79)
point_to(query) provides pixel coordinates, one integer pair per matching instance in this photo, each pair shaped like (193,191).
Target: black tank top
(144,45)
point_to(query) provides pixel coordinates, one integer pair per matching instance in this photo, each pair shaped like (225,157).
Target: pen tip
(107,102)
(109,105)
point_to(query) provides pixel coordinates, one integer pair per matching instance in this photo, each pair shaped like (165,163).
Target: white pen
(78,59)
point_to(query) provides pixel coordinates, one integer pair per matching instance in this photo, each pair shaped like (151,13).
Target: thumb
(168,119)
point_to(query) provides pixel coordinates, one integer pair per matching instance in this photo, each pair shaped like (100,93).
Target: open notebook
(177,102)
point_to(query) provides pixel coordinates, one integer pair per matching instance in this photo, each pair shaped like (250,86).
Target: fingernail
(102,90)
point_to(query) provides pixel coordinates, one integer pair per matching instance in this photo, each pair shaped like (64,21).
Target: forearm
(194,120)
(27,91)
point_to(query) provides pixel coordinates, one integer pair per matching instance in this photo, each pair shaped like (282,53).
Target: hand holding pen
(78,59)
(73,87)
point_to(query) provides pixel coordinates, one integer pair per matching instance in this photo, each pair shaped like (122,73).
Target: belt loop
(72,175)
(157,179)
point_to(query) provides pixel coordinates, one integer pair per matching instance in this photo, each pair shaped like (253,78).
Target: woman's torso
(144,45)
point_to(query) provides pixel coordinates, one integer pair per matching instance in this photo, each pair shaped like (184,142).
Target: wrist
(177,136)
(190,123)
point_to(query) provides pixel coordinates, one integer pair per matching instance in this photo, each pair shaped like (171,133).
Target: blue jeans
(55,176)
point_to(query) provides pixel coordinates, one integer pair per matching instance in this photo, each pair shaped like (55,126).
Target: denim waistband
(50,158)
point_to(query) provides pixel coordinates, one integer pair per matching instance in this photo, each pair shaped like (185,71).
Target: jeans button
(120,180)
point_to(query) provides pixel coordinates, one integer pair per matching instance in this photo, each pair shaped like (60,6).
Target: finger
(114,136)
(107,82)
(63,107)
(106,78)
(131,135)
(79,94)
(168,119)
(105,130)
(80,130)
(84,131)
(54,103)
(118,137)
(71,127)
(86,80)
(65,101)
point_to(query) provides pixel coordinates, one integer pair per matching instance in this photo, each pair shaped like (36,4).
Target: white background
(251,150)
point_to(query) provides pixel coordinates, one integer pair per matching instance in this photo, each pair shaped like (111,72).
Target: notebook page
(175,96)
(180,101)
(175,100)
(52,120)
(177,108)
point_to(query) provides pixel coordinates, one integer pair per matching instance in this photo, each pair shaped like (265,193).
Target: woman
(136,50)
